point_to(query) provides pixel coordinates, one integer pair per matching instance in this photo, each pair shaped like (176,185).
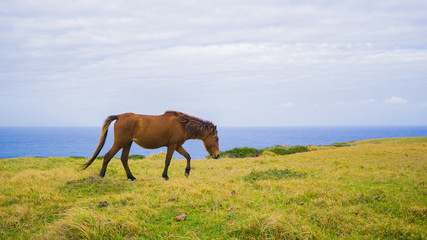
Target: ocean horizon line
(227,126)
(61,141)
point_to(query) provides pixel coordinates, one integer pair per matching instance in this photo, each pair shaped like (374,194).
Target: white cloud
(396,100)
(288,104)
(192,55)
(369,101)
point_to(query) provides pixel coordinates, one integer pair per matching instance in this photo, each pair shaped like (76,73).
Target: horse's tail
(101,141)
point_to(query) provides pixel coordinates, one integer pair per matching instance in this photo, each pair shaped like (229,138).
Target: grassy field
(375,189)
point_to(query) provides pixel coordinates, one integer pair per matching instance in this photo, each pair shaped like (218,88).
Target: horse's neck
(199,137)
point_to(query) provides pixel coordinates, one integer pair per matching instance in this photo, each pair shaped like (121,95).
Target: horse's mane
(194,127)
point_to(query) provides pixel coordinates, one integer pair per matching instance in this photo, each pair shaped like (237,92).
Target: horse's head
(211,144)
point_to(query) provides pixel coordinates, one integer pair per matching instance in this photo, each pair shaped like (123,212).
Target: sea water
(82,141)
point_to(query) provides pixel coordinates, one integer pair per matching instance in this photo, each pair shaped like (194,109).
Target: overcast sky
(236,63)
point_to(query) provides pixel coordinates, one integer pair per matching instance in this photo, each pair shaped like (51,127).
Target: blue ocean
(82,141)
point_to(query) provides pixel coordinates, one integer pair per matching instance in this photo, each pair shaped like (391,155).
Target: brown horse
(171,129)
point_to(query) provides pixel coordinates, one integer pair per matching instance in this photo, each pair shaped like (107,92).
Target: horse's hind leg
(184,153)
(107,157)
(124,158)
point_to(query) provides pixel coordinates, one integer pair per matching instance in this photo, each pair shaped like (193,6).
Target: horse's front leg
(169,154)
(187,156)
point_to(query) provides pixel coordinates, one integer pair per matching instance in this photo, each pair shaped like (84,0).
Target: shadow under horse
(171,129)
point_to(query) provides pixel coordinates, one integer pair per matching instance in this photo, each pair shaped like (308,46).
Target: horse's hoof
(166,178)
(132,178)
(187,174)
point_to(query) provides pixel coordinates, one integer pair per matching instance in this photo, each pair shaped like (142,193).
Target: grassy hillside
(371,189)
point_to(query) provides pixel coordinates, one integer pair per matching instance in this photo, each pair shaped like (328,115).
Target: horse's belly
(149,144)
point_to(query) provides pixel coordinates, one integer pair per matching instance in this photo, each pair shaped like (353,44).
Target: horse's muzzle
(216,156)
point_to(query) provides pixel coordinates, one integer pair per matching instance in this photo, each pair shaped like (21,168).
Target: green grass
(373,189)
(273,175)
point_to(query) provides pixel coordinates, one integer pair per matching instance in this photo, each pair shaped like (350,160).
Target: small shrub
(253,152)
(342,144)
(242,152)
(76,157)
(288,150)
(136,157)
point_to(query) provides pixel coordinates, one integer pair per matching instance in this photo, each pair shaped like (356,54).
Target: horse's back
(150,131)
